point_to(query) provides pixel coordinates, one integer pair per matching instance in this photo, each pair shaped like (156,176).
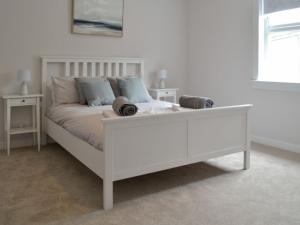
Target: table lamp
(25,77)
(163,74)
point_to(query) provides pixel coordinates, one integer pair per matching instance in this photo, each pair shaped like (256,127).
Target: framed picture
(98,17)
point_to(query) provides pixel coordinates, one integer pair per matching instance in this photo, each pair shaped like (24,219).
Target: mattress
(86,122)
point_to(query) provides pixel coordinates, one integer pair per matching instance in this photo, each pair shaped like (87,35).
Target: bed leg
(107,194)
(246,160)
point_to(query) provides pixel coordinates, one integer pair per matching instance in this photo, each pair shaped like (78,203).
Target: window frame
(260,50)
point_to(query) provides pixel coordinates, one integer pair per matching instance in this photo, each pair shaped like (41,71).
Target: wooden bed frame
(135,146)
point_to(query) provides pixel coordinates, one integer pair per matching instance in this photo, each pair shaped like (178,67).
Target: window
(280,53)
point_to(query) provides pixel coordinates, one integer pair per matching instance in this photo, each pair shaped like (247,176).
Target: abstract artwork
(98,17)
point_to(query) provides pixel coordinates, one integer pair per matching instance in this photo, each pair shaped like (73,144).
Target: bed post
(248,143)
(108,169)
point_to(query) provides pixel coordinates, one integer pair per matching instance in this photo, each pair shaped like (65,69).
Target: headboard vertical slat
(117,69)
(101,69)
(84,69)
(109,70)
(124,69)
(76,69)
(93,69)
(142,69)
(67,69)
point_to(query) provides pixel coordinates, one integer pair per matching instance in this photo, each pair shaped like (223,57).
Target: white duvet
(86,122)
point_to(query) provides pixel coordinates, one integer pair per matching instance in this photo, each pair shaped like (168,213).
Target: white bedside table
(164,93)
(19,101)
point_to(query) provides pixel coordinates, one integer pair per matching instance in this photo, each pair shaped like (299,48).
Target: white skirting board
(256,139)
(276,143)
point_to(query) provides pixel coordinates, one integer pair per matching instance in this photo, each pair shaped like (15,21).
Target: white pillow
(64,90)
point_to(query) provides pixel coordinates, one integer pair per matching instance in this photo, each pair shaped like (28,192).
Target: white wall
(154,29)
(218,48)
(221,66)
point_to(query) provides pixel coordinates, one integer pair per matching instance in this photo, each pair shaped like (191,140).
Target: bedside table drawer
(23,101)
(167,93)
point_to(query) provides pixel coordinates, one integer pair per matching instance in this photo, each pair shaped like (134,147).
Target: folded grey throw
(195,102)
(123,107)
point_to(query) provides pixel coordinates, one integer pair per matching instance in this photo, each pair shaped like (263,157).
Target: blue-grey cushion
(113,83)
(78,81)
(134,89)
(96,92)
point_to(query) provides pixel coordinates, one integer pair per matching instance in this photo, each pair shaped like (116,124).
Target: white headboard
(87,67)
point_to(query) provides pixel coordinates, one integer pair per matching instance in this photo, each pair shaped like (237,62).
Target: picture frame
(98,17)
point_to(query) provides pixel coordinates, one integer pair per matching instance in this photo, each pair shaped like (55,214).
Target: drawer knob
(23,100)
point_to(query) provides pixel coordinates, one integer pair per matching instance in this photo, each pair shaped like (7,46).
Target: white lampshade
(24,75)
(163,74)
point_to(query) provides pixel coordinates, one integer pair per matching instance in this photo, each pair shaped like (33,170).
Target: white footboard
(140,145)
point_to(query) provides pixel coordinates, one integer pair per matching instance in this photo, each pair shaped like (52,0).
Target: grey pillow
(78,81)
(82,99)
(114,85)
(96,92)
(134,89)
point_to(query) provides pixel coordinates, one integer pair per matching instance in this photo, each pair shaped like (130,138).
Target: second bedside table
(164,93)
(18,101)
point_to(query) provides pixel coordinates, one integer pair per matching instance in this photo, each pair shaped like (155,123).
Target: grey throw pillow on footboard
(194,102)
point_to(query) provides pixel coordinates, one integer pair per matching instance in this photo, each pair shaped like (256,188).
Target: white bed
(142,144)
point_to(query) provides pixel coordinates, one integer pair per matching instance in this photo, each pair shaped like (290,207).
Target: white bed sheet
(86,122)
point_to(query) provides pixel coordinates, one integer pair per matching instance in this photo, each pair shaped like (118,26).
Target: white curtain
(271,6)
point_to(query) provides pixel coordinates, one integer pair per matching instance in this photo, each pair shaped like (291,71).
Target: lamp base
(162,84)
(24,88)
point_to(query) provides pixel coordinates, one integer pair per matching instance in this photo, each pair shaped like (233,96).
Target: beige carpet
(51,187)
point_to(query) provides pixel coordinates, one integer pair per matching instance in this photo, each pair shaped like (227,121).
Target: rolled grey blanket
(195,102)
(123,107)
